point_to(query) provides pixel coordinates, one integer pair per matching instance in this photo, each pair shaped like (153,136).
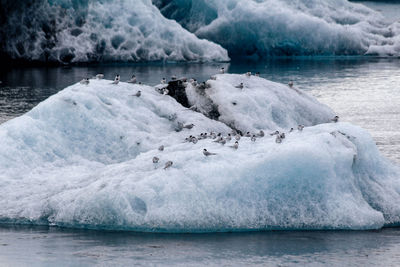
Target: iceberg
(263,28)
(83,159)
(93,31)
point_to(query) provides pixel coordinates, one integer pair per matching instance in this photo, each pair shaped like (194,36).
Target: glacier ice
(262,28)
(83,158)
(260,104)
(92,31)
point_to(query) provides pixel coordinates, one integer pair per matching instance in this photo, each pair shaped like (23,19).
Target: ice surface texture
(91,31)
(257,29)
(83,158)
(260,104)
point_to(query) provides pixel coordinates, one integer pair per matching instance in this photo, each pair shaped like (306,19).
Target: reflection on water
(363,91)
(54,246)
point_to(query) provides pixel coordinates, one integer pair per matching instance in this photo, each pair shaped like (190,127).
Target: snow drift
(83,158)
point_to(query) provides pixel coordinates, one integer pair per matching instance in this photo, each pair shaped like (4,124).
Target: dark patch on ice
(177,90)
(76,32)
(117,40)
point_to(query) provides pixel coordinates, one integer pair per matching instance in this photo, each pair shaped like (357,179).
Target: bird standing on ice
(222,70)
(163,81)
(133,79)
(117,79)
(168,164)
(138,93)
(206,153)
(240,86)
(335,119)
(85,81)
(290,84)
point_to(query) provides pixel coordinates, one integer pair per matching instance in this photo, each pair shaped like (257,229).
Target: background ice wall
(250,28)
(86,31)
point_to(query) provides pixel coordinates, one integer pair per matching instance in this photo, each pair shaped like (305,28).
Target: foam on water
(83,158)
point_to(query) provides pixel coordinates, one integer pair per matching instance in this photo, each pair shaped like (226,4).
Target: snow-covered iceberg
(262,28)
(83,158)
(91,31)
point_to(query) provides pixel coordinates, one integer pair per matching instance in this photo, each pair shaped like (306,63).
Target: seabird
(116,79)
(206,153)
(161,148)
(257,74)
(237,137)
(300,127)
(219,139)
(163,81)
(133,79)
(188,126)
(290,84)
(168,164)
(240,86)
(253,138)
(335,119)
(155,160)
(291,130)
(228,138)
(274,133)
(222,70)
(173,78)
(278,139)
(236,145)
(85,81)
(248,74)
(165,91)
(138,93)
(282,135)
(247,134)
(261,133)
(99,76)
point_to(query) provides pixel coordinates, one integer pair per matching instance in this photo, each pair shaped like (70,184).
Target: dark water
(365,92)
(42,246)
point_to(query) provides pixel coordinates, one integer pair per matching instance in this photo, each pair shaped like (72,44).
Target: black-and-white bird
(300,127)
(133,79)
(248,134)
(222,70)
(138,93)
(206,153)
(161,148)
(278,139)
(282,135)
(228,138)
(168,164)
(163,81)
(235,145)
(173,77)
(335,119)
(189,126)
(116,79)
(99,76)
(290,84)
(253,138)
(248,74)
(291,130)
(274,133)
(240,86)
(155,160)
(237,137)
(261,133)
(85,81)
(257,74)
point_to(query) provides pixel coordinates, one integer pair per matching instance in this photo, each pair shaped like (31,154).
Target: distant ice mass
(67,31)
(84,158)
(261,28)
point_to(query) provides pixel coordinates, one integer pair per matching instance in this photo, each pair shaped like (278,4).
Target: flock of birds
(218,138)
